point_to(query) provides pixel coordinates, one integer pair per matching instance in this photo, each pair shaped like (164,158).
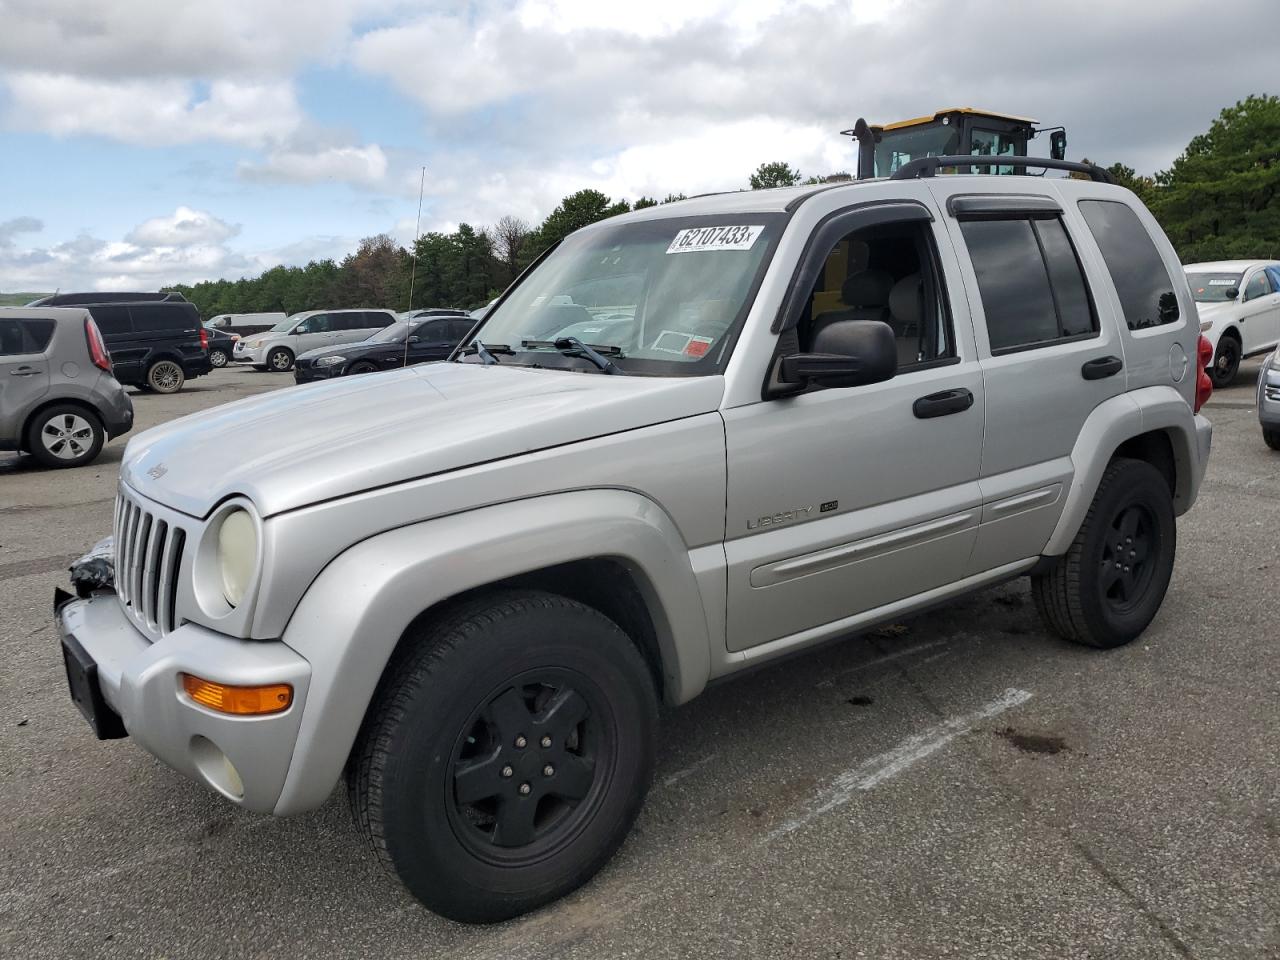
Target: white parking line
(692,768)
(873,772)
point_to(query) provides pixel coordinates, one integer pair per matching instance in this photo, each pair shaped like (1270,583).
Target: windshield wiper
(573,347)
(486,354)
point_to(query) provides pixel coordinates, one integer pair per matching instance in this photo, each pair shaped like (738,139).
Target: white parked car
(1239,306)
(277,348)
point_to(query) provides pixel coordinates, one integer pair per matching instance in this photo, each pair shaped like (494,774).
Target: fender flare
(352,617)
(1111,423)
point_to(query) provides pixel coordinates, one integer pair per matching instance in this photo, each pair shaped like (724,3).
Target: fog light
(241,701)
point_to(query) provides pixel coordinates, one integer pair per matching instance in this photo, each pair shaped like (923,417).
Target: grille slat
(149,553)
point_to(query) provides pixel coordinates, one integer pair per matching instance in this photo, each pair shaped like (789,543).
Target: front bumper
(245,758)
(244,354)
(1269,396)
(307,372)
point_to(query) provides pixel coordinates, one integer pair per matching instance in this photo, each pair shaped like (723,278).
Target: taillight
(204,339)
(97,348)
(1204,386)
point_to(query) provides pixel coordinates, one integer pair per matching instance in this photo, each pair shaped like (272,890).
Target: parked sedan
(1269,400)
(221,346)
(1239,306)
(431,338)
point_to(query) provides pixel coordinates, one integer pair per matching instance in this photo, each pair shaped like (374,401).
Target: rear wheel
(165,376)
(1226,362)
(280,360)
(1272,437)
(218,357)
(1112,581)
(506,755)
(65,436)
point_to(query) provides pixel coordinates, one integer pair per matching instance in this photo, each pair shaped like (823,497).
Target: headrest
(906,300)
(869,288)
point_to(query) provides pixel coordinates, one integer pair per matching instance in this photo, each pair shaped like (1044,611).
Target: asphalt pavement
(956,785)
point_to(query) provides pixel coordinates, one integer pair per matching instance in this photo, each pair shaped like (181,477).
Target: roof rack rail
(928,166)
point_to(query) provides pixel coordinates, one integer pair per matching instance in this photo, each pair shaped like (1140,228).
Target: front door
(1260,312)
(843,500)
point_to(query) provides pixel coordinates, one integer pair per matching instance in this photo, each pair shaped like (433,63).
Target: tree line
(1219,200)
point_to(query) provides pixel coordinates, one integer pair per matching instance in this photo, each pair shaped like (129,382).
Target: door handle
(1101,368)
(23,372)
(942,404)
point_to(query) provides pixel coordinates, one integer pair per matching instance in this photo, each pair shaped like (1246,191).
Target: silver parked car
(58,399)
(277,348)
(695,438)
(1269,400)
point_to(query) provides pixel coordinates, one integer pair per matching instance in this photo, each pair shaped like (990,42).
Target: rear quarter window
(1142,283)
(377,320)
(163,318)
(112,320)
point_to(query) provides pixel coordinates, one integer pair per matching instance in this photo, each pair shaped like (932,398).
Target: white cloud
(11,228)
(183,228)
(361,166)
(153,112)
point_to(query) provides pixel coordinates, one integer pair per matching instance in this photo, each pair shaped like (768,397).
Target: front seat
(906,316)
(865,296)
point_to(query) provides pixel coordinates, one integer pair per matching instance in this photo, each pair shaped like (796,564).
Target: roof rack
(928,166)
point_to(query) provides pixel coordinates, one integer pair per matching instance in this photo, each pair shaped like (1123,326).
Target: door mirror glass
(846,353)
(1058,145)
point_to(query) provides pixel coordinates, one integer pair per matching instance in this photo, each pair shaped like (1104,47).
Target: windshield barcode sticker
(700,239)
(1216,283)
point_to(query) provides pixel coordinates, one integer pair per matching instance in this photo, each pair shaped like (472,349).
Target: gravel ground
(958,785)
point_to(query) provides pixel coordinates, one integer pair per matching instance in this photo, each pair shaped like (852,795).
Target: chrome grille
(148,559)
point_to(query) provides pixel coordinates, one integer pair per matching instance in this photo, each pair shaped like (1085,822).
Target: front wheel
(1108,587)
(1272,438)
(362,366)
(506,755)
(1226,362)
(280,360)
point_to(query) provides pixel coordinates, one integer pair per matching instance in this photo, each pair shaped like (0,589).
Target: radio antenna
(413,266)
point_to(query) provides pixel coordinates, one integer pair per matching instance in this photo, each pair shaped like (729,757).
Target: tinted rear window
(377,319)
(163,317)
(1141,280)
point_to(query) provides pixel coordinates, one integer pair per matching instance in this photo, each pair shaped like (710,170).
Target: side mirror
(1058,145)
(846,353)
(414,339)
(1232,293)
(299,329)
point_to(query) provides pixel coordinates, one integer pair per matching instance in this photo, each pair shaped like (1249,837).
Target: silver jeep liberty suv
(690,439)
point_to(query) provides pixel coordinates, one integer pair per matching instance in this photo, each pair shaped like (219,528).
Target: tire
(65,435)
(1272,438)
(362,366)
(469,703)
(1083,598)
(1226,362)
(259,367)
(280,360)
(166,376)
(218,357)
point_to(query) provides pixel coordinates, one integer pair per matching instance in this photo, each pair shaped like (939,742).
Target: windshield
(391,334)
(899,147)
(667,296)
(286,324)
(1213,287)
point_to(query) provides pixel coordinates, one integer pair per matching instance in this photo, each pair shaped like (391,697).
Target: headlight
(254,344)
(329,361)
(237,554)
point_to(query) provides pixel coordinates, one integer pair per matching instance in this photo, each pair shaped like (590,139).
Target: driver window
(886,273)
(1257,287)
(323,323)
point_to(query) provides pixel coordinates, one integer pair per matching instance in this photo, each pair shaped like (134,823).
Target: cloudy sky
(153,141)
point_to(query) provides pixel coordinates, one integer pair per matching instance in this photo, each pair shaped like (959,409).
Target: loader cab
(959,131)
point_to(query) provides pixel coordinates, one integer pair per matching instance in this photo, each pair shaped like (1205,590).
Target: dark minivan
(155,344)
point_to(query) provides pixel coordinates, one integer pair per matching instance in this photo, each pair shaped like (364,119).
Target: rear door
(1049,355)
(24,371)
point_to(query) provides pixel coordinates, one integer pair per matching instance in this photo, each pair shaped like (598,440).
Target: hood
(348,349)
(1218,311)
(304,444)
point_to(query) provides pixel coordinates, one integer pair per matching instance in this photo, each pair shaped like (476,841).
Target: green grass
(19,299)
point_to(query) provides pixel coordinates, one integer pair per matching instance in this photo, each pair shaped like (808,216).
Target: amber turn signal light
(241,701)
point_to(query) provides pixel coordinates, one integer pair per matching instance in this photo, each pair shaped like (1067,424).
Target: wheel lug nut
(1117,566)
(548,770)
(521,742)
(525,789)
(507,771)
(546,742)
